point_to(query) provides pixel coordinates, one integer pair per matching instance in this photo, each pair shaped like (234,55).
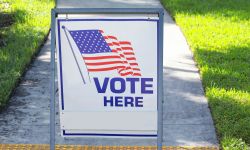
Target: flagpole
(78,66)
(72,50)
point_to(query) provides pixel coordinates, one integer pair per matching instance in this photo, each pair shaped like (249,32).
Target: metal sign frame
(159,11)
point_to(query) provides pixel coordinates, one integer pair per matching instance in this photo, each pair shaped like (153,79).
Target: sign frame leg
(160,81)
(52,82)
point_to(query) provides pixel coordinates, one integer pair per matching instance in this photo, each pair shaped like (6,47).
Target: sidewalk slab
(187,118)
(46,147)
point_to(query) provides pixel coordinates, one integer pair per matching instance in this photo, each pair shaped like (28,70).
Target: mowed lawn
(218,32)
(24,25)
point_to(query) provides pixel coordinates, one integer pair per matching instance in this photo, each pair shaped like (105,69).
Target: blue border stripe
(153,20)
(158,70)
(102,134)
(60,60)
(61,76)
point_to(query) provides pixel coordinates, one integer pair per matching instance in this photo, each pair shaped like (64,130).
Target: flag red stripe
(136,74)
(129,53)
(114,43)
(122,55)
(104,63)
(116,50)
(124,69)
(123,48)
(119,43)
(105,69)
(110,37)
(137,69)
(125,42)
(130,58)
(127,48)
(134,64)
(99,57)
(127,73)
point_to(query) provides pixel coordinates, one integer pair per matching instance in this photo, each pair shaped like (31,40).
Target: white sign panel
(107,73)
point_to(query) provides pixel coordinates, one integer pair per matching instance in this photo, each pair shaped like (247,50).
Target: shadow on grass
(219,8)
(7,19)
(227,70)
(232,117)
(227,83)
(20,44)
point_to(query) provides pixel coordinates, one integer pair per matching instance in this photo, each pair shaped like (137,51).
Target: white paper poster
(107,73)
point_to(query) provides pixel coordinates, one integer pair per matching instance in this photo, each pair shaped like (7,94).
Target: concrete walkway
(187,119)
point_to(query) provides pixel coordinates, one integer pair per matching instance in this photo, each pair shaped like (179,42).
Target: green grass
(218,32)
(31,22)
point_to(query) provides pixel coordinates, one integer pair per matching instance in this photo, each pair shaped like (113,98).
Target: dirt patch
(21,92)
(7,19)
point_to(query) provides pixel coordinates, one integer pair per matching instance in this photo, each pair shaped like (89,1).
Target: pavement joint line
(90,147)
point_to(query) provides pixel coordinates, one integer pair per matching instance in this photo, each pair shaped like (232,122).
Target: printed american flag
(105,52)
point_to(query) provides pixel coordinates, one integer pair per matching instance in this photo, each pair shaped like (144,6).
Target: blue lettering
(144,85)
(116,89)
(118,101)
(104,86)
(132,83)
(106,101)
(138,102)
(118,85)
(129,101)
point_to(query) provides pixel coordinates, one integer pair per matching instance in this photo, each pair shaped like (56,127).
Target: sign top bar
(108,10)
